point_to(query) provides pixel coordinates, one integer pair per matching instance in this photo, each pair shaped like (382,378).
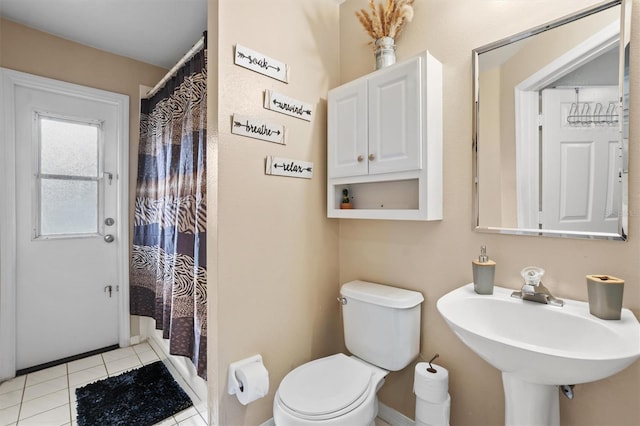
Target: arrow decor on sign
(260,63)
(278,166)
(257,129)
(280,103)
(293,167)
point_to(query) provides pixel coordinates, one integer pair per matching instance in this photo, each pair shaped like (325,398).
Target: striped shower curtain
(168,266)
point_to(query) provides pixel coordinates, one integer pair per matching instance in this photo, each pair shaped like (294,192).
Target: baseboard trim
(393,417)
(386,413)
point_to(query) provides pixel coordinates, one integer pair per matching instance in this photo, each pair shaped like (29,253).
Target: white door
(68,224)
(581,161)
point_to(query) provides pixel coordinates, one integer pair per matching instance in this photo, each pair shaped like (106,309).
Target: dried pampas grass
(386,20)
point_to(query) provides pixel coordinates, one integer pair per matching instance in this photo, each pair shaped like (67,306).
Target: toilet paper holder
(431,369)
(233,384)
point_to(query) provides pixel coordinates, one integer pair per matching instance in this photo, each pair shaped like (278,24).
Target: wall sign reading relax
(258,129)
(286,167)
(260,63)
(280,103)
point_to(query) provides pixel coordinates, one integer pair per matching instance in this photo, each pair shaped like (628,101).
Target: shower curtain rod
(195,49)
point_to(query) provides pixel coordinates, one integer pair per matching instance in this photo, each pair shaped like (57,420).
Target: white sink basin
(540,344)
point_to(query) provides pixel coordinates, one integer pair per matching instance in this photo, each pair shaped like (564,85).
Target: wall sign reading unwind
(260,63)
(257,129)
(280,103)
(286,167)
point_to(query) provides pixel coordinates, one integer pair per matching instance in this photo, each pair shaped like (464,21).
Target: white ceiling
(157,32)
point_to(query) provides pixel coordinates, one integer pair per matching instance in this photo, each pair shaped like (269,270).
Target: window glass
(68,191)
(68,148)
(68,207)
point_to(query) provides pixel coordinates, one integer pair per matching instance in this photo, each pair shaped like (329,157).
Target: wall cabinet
(385,143)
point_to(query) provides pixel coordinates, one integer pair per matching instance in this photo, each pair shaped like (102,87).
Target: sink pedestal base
(530,403)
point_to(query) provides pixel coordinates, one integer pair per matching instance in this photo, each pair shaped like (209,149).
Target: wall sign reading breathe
(258,129)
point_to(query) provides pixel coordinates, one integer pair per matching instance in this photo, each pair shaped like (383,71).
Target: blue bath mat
(138,397)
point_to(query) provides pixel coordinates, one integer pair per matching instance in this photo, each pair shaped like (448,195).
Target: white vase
(385,52)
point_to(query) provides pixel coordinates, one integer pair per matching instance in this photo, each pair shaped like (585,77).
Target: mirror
(551,128)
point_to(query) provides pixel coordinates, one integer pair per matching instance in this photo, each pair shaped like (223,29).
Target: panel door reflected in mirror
(550,154)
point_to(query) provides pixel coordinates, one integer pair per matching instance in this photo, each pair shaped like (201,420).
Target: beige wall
(35,52)
(277,261)
(435,258)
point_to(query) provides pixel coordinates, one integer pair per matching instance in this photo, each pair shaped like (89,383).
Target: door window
(67,189)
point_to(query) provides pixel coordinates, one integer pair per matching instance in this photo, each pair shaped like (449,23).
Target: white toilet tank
(381,323)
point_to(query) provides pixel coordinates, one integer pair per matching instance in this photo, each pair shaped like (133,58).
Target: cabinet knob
(372,157)
(360,158)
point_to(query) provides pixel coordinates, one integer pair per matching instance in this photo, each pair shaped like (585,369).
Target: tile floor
(47,397)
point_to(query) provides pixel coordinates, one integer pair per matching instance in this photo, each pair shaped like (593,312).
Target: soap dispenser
(483,273)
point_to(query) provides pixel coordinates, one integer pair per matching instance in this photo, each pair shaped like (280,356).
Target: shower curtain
(168,268)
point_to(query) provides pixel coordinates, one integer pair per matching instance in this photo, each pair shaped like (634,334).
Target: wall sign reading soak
(256,128)
(280,103)
(260,63)
(286,167)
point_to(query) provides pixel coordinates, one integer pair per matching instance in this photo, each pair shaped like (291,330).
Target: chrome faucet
(533,289)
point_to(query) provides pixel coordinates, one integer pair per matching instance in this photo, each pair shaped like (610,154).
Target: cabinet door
(347,130)
(395,125)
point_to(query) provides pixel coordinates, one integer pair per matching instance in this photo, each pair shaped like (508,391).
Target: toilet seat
(325,388)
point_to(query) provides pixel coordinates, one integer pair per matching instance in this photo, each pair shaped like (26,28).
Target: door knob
(360,158)
(372,157)
(109,238)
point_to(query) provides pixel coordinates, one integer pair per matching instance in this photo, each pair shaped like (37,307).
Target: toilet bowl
(337,390)
(382,332)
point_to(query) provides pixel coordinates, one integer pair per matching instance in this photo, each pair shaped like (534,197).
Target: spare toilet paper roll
(254,379)
(431,414)
(431,387)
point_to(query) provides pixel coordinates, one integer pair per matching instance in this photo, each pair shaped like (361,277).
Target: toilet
(382,333)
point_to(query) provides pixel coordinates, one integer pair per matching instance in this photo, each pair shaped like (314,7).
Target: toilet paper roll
(431,414)
(254,382)
(431,387)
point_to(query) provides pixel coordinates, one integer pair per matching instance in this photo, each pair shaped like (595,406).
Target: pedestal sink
(539,347)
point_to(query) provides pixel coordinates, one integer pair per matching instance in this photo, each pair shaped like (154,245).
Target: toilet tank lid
(382,295)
